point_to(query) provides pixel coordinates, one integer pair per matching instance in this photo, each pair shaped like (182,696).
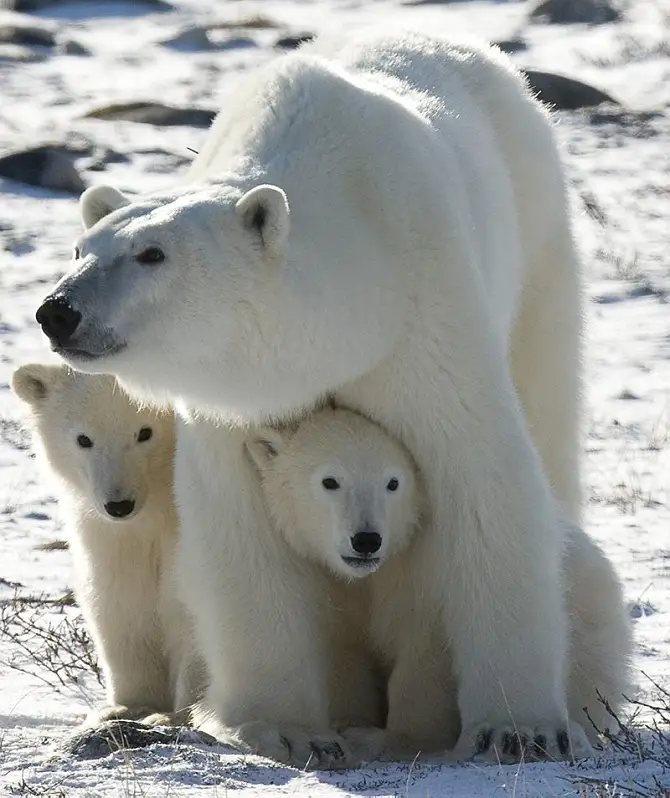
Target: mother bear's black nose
(58,319)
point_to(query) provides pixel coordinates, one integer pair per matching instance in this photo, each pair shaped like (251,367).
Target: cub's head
(111,453)
(340,489)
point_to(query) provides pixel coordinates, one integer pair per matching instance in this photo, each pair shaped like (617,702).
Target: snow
(622,164)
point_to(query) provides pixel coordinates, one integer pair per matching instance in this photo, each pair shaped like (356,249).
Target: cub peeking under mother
(381,223)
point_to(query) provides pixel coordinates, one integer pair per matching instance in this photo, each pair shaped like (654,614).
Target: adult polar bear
(382,221)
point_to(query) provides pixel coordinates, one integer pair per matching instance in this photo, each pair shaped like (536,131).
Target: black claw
(509,742)
(563,742)
(332,750)
(483,741)
(286,742)
(540,745)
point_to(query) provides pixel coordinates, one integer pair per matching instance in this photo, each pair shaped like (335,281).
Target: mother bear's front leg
(490,556)
(256,609)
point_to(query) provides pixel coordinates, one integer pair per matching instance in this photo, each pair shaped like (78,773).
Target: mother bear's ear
(264,210)
(98,201)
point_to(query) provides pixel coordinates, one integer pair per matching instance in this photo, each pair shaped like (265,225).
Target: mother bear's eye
(329,483)
(392,485)
(151,255)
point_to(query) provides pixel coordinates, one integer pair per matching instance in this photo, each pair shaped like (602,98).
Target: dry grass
(636,742)
(49,641)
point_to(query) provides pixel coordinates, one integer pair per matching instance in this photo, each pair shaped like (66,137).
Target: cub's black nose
(120,509)
(366,542)
(58,319)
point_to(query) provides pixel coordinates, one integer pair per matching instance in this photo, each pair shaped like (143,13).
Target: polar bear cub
(113,461)
(346,497)
(340,489)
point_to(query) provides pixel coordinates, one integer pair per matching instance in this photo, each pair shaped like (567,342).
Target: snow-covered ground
(619,163)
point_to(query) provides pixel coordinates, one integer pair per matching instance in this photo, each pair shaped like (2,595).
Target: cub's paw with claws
(507,743)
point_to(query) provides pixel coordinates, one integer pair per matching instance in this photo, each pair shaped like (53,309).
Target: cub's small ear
(99,201)
(265,211)
(32,383)
(264,446)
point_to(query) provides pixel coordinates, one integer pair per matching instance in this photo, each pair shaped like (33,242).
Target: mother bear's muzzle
(73,335)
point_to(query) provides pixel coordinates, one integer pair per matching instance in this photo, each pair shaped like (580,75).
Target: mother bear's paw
(296,746)
(509,742)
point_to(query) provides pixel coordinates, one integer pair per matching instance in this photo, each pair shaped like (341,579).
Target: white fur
(319,524)
(124,568)
(423,272)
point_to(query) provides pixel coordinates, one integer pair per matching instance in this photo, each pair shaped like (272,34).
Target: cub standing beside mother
(381,221)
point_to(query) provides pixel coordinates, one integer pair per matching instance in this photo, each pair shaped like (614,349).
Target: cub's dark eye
(144,434)
(76,253)
(392,485)
(84,441)
(151,255)
(329,483)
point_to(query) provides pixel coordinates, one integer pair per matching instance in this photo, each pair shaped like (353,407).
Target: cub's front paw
(293,745)
(181,717)
(508,743)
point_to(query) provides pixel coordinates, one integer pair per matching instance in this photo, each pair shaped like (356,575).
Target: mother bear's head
(197,295)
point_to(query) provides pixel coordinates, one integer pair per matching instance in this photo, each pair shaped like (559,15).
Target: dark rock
(291,42)
(44,5)
(150,113)
(511,46)
(565,94)
(255,22)
(563,12)
(93,156)
(102,157)
(236,43)
(190,40)
(71,47)
(120,735)
(27,35)
(108,156)
(47,166)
